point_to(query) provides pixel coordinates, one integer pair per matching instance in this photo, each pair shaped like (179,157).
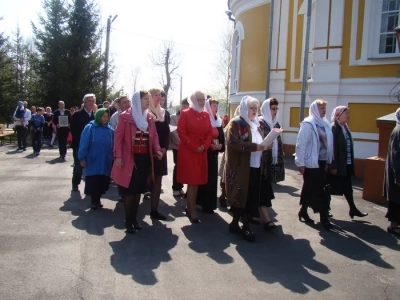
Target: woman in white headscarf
(207,193)
(342,166)
(195,134)
(274,165)
(243,165)
(135,146)
(314,152)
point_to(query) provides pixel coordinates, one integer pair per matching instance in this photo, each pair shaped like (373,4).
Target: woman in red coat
(195,134)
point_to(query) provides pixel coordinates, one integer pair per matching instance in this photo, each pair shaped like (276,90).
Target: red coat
(194,129)
(123,147)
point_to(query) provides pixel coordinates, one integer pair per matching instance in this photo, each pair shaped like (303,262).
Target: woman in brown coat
(243,165)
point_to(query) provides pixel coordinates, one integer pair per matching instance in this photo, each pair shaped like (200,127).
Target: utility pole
(305,62)
(271,27)
(105,78)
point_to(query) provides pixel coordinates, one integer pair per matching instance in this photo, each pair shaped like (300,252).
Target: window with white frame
(389,20)
(236,61)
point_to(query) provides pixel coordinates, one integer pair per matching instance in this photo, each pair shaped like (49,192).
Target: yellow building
(353,61)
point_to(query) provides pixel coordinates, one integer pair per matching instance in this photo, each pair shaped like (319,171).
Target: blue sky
(141,25)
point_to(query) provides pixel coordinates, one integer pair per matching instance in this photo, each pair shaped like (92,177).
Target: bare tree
(135,78)
(222,71)
(168,61)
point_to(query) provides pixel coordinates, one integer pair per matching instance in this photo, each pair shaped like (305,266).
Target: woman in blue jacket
(96,155)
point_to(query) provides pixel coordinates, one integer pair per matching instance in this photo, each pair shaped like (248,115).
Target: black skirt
(160,166)
(207,193)
(315,192)
(138,184)
(266,193)
(341,185)
(96,185)
(393,212)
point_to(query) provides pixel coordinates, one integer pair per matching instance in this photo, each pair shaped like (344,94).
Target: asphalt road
(52,246)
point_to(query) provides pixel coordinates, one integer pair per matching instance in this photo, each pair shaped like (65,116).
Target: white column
(327,51)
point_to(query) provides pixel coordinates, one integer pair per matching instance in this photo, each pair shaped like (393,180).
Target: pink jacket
(123,147)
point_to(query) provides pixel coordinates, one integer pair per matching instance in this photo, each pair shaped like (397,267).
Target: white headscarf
(237,111)
(267,117)
(139,117)
(157,111)
(193,104)
(214,122)
(398,116)
(244,111)
(315,117)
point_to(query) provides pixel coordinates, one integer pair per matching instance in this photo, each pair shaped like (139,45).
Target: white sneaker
(181,192)
(176,193)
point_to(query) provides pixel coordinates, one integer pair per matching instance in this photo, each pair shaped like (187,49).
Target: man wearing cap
(78,122)
(177,188)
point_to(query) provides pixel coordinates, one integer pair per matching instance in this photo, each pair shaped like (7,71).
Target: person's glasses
(275,108)
(201,99)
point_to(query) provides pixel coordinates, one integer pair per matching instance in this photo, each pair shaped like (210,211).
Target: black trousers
(36,140)
(176,186)
(22,133)
(77,172)
(62,134)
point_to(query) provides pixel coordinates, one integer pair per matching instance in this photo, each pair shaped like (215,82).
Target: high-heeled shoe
(130,229)
(194,220)
(303,214)
(356,213)
(137,226)
(326,223)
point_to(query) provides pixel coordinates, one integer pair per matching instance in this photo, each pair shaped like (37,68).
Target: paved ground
(53,247)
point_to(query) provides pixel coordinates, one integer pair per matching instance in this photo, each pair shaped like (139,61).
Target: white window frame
(376,14)
(238,36)
(370,36)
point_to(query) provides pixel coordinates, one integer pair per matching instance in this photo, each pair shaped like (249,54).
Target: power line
(164,40)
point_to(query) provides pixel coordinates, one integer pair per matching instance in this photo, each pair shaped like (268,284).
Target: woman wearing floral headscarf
(207,193)
(195,134)
(96,155)
(243,165)
(342,166)
(274,165)
(392,179)
(314,150)
(135,145)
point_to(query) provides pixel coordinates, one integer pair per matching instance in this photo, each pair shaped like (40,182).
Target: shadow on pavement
(282,259)
(211,237)
(92,221)
(368,232)
(352,247)
(139,254)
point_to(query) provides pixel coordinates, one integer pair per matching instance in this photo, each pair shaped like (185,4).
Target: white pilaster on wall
(327,51)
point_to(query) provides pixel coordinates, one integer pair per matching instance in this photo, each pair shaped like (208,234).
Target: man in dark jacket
(62,128)
(78,122)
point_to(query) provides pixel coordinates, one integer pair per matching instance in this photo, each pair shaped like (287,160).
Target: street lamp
(109,21)
(180,95)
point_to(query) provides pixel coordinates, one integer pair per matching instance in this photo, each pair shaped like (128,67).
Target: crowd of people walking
(128,145)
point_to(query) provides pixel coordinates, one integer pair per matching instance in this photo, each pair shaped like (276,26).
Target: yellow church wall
(363,115)
(254,48)
(348,71)
(289,85)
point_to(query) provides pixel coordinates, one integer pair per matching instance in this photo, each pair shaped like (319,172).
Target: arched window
(238,36)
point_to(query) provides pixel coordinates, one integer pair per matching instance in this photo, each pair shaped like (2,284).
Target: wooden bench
(8,133)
